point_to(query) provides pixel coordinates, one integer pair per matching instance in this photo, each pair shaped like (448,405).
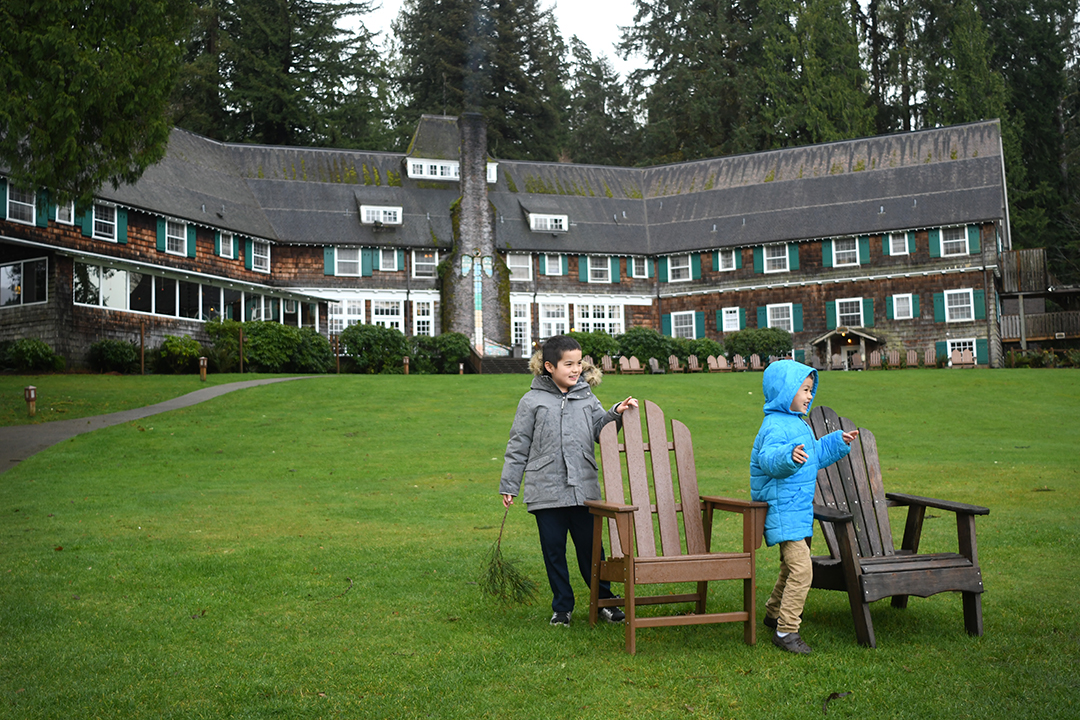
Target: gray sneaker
(791,643)
(612,614)
(561,619)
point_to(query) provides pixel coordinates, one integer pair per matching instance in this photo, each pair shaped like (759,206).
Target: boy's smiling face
(803,396)
(567,371)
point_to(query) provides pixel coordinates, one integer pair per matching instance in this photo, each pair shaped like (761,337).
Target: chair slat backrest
(894,358)
(965,358)
(605,364)
(635,364)
(624,363)
(713,365)
(853,485)
(930,357)
(662,484)
(875,359)
(912,358)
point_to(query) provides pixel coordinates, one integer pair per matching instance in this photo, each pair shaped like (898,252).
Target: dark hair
(554,348)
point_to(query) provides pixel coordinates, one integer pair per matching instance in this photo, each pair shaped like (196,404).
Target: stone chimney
(474,238)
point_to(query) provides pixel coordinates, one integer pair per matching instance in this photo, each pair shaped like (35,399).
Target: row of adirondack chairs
(632,366)
(660,531)
(891,358)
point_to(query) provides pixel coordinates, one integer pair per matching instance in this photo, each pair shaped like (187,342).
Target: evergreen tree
(86,89)
(601,120)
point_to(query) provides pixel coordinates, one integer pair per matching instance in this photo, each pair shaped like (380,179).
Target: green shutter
(329,259)
(217,242)
(3,199)
(738,258)
(796,317)
(759,260)
(247,253)
(121,225)
(401,259)
(720,321)
(565,260)
(716,260)
(982,351)
(543,264)
(830,315)
(886,245)
(41,214)
(800,356)
(935,243)
(161,235)
(650,267)
(366,262)
(742,318)
(190,240)
(615,269)
(661,269)
(376,258)
(974,240)
(88,221)
(914,306)
(941,349)
(665,325)
(695,266)
(793,256)
(762,317)
(826,253)
(868,312)
(911,242)
(888,307)
(864,250)
(699,324)
(582,268)
(939,307)
(979,298)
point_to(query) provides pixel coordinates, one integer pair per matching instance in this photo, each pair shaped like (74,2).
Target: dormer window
(380,215)
(447,170)
(548,223)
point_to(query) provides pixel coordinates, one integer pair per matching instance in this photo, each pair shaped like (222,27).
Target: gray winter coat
(553,445)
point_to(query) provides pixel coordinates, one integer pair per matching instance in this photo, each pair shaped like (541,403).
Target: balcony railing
(1041,326)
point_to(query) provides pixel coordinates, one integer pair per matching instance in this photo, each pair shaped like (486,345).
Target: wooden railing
(1024,271)
(1042,326)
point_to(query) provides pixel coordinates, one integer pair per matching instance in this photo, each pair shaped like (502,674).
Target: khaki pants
(789,594)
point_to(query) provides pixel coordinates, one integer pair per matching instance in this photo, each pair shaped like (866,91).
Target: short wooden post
(461,368)
(202,369)
(241,351)
(405,362)
(30,394)
(142,348)
(337,351)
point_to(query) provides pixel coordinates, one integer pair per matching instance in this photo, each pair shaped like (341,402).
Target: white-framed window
(521,324)
(548,223)
(288,307)
(639,267)
(849,312)
(425,263)
(552,264)
(902,307)
(421,169)
(227,245)
(678,270)
(386,313)
(104,222)
(898,244)
(424,317)
(959,305)
(347,261)
(388,260)
(779,316)
(961,345)
(380,215)
(21,205)
(727,260)
(599,269)
(175,237)
(954,241)
(553,318)
(66,213)
(24,282)
(776,258)
(603,318)
(682,324)
(845,251)
(260,256)
(520,266)
(730,319)
(335,317)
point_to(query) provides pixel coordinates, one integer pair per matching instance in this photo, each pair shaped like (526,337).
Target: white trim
(523,323)
(791,315)
(548,265)
(22,282)
(231,255)
(963,237)
(338,272)
(380,215)
(444,170)
(434,266)
(182,237)
(840,322)
(689,268)
(724,313)
(429,317)
(836,251)
(682,315)
(21,205)
(255,243)
(970,304)
(903,243)
(765,258)
(632,261)
(539,222)
(527,266)
(382,259)
(94,222)
(910,308)
(730,253)
(602,267)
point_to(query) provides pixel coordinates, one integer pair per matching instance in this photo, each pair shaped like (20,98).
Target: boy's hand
(627,403)
(849,436)
(799,455)
(508,500)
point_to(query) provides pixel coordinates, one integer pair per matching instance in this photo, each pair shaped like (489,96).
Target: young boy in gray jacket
(552,445)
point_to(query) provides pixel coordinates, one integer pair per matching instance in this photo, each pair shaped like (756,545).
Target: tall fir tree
(600,122)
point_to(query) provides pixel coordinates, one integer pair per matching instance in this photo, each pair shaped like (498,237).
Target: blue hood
(782,379)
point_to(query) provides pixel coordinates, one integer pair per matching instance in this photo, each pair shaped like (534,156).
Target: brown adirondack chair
(930,357)
(851,505)
(606,365)
(894,359)
(875,360)
(674,364)
(635,366)
(588,359)
(718,363)
(635,558)
(654,367)
(629,366)
(755,363)
(692,364)
(967,360)
(738,364)
(837,362)
(912,358)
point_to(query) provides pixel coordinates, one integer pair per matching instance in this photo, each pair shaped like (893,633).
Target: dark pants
(554,524)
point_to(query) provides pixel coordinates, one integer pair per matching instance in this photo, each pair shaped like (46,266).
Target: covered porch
(843,348)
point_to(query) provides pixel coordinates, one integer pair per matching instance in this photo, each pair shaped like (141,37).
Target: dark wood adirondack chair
(852,507)
(635,558)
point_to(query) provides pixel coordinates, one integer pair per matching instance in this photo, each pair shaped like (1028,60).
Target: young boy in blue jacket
(783,473)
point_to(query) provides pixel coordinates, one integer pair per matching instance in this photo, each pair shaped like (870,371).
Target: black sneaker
(771,622)
(612,614)
(791,643)
(561,619)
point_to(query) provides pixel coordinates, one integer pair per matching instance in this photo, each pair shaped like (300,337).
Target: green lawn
(311,549)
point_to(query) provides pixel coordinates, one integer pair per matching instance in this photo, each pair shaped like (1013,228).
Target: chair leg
(899,601)
(594,579)
(702,594)
(864,624)
(750,606)
(630,610)
(973,613)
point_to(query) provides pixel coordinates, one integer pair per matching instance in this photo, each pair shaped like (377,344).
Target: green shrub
(269,347)
(1072,358)
(439,354)
(225,355)
(375,349)
(31,355)
(597,344)
(644,343)
(763,342)
(311,353)
(178,355)
(702,348)
(114,356)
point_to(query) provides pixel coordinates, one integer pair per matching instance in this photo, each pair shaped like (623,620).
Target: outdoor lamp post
(202,369)
(30,395)
(405,360)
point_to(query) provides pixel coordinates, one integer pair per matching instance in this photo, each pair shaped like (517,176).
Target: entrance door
(849,356)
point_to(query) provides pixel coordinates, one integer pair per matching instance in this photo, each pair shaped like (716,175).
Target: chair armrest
(827,514)
(598,507)
(956,507)
(732,504)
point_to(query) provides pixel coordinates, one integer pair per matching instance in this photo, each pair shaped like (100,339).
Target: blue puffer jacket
(775,478)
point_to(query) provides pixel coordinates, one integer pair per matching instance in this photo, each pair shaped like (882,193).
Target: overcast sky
(595,22)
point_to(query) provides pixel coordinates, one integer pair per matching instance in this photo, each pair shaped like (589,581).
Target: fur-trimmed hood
(589,372)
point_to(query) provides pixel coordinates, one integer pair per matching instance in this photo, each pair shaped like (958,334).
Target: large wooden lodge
(885,243)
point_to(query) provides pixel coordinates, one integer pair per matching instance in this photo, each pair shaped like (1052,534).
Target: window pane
(164,296)
(898,244)
(176,237)
(640,267)
(211,302)
(11,284)
(902,307)
(519,266)
(388,260)
(348,261)
(682,325)
(425,264)
(953,241)
(679,267)
(20,204)
(86,284)
(727,259)
(599,269)
(731,319)
(114,288)
(849,312)
(140,297)
(227,245)
(958,306)
(776,258)
(35,281)
(846,251)
(104,222)
(780,317)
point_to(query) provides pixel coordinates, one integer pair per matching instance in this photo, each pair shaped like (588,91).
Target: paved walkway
(21,441)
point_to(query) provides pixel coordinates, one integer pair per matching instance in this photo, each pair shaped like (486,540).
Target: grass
(311,550)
